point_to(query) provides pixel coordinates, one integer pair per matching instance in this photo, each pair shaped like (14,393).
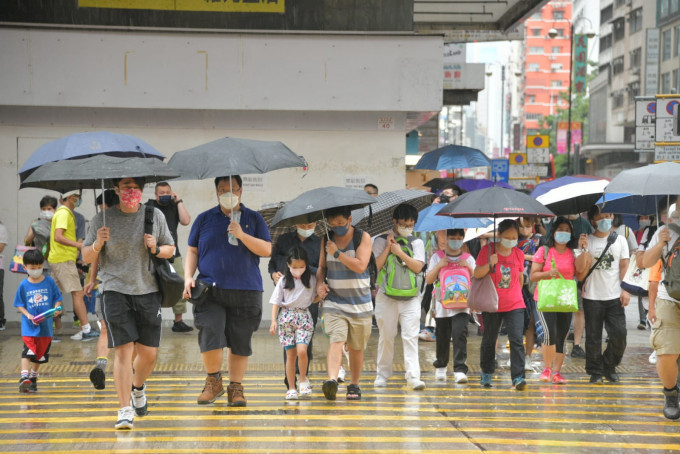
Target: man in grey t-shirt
(131,302)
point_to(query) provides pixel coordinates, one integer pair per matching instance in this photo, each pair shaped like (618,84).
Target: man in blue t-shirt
(225,245)
(35,295)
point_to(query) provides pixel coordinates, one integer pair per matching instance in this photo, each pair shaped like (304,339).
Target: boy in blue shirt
(35,295)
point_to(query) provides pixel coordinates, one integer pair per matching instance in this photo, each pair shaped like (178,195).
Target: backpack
(453,284)
(170,284)
(400,282)
(356,239)
(672,268)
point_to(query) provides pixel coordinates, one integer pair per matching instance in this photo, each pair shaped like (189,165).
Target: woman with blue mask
(504,261)
(560,249)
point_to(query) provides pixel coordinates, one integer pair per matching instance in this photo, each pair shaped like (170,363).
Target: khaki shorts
(66,276)
(181,306)
(665,337)
(354,331)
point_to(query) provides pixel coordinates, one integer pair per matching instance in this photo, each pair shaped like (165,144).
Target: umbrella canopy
(309,206)
(630,203)
(429,222)
(495,202)
(88,144)
(559,182)
(472,185)
(453,157)
(377,218)
(572,198)
(91,173)
(232,156)
(436,184)
(654,179)
(269,210)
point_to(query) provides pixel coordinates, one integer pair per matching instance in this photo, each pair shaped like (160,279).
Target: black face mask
(444,199)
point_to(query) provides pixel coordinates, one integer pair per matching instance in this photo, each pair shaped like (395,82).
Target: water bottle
(235,217)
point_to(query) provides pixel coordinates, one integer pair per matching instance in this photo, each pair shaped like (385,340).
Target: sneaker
(212,390)
(138,401)
(528,365)
(181,327)
(577,352)
(460,377)
(235,396)
(486,380)
(3,324)
(78,337)
(56,339)
(671,409)
(558,379)
(291,394)
(126,418)
(611,375)
(89,336)
(341,375)
(98,378)
(519,383)
(416,384)
(652,358)
(34,385)
(25,385)
(440,373)
(596,379)
(545,376)
(380,382)
(305,389)
(426,335)
(642,325)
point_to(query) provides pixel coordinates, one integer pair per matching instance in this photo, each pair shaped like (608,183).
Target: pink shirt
(506,277)
(565,263)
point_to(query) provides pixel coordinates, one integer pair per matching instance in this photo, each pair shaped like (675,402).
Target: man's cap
(70,193)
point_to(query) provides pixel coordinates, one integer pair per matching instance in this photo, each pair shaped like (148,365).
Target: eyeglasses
(406,226)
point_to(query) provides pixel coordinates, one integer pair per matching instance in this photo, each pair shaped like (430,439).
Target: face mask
(497,239)
(130,197)
(164,199)
(340,230)
(562,237)
(455,244)
(604,225)
(77,204)
(35,273)
(304,233)
(46,214)
(229,201)
(297,272)
(509,243)
(405,232)
(645,223)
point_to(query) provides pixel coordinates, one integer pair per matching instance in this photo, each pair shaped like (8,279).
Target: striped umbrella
(377,218)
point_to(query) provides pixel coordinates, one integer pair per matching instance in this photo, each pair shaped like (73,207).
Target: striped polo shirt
(350,292)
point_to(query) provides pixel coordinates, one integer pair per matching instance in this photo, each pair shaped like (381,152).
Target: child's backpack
(672,268)
(400,282)
(453,286)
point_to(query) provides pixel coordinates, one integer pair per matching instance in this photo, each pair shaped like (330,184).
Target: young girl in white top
(293,295)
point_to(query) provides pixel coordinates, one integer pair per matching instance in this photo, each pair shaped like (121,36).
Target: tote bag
(557,294)
(636,280)
(483,296)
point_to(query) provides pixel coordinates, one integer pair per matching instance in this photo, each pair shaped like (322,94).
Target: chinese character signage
(580,63)
(228,6)
(562,127)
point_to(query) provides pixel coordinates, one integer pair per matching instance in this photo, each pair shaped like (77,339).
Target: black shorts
(132,318)
(228,318)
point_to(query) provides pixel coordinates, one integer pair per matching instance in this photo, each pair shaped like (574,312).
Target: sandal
(353,392)
(305,390)
(330,388)
(291,394)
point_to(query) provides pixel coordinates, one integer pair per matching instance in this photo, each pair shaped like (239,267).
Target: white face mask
(305,233)
(35,273)
(47,214)
(645,223)
(229,200)
(405,232)
(297,272)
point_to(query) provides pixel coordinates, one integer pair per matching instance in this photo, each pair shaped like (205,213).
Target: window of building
(666,45)
(676,81)
(535,50)
(619,28)
(556,50)
(534,116)
(665,83)
(605,42)
(618,98)
(603,68)
(558,15)
(617,65)
(633,91)
(620,3)
(635,20)
(534,67)
(537,15)
(556,83)
(606,14)
(560,31)
(532,99)
(554,67)
(676,43)
(674,6)
(636,58)
(535,32)
(554,99)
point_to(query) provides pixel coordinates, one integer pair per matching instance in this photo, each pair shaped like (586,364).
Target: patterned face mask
(130,197)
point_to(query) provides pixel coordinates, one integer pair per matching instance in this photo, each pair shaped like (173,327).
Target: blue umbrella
(87,144)
(428,221)
(630,203)
(453,157)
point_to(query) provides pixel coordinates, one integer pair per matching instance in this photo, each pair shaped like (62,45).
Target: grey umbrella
(377,218)
(311,205)
(654,179)
(232,156)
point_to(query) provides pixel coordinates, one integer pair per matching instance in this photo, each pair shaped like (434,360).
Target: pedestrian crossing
(68,416)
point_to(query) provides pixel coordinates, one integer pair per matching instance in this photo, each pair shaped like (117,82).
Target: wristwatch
(179,201)
(158,251)
(336,254)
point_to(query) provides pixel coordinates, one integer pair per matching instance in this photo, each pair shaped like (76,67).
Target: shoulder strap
(545,253)
(356,237)
(148,219)
(610,240)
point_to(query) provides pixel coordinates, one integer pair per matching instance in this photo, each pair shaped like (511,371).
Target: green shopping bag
(557,294)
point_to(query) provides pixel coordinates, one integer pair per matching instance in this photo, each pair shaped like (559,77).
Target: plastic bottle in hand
(45,315)
(235,217)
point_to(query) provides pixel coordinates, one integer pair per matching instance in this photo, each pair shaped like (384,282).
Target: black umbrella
(310,206)
(268,211)
(232,156)
(377,218)
(436,184)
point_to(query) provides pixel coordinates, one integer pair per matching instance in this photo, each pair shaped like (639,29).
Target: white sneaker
(528,365)
(138,401)
(652,358)
(291,394)
(508,364)
(380,382)
(77,336)
(126,418)
(460,377)
(416,384)
(341,375)
(440,373)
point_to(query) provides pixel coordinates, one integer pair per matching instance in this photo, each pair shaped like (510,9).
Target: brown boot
(235,395)
(212,390)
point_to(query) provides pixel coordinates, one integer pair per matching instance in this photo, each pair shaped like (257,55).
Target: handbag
(199,292)
(483,296)
(17,263)
(636,280)
(170,284)
(557,294)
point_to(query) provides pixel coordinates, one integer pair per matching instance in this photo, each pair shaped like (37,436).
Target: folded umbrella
(377,218)
(429,222)
(453,157)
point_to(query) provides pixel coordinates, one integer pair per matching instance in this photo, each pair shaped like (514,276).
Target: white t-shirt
(4,238)
(629,235)
(439,311)
(605,281)
(379,245)
(300,297)
(664,252)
